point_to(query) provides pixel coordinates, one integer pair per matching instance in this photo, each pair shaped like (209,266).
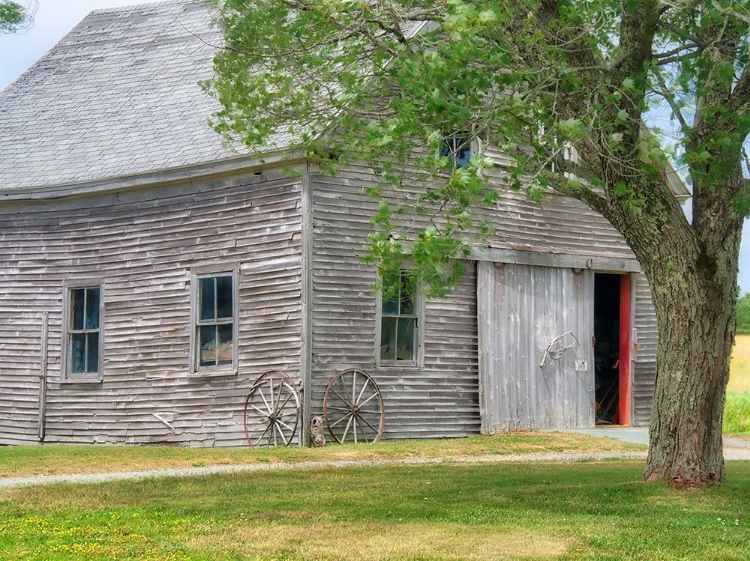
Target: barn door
(536,361)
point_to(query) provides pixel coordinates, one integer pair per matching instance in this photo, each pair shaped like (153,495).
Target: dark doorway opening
(607,294)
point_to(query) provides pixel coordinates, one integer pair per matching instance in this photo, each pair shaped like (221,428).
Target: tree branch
(669,97)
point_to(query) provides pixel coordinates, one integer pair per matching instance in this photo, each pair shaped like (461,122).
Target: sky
(54,18)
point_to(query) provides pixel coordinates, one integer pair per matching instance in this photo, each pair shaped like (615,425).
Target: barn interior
(607,348)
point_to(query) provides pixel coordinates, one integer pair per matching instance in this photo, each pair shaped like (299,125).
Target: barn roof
(117,97)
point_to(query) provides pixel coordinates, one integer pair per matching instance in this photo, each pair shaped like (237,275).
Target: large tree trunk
(695,342)
(694,296)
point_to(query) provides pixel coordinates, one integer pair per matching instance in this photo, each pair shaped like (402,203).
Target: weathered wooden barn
(149,274)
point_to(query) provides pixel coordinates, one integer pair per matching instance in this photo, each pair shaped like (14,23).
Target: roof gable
(118,96)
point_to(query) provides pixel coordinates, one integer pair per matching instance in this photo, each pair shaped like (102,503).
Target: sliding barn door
(536,362)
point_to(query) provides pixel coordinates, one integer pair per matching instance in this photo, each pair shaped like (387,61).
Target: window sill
(214,373)
(82,381)
(405,365)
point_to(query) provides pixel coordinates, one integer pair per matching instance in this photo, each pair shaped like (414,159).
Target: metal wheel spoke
(364,386)
(263,397)
(271,392)
(284,425)
(342,399)
(281,434)
(341,419)
(362,430)
(259,410)
(346,390)
(368,400)
(281,407)
(361,418)
(263,434)
(348,424)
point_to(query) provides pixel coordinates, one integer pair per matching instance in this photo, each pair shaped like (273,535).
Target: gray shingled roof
(117,97)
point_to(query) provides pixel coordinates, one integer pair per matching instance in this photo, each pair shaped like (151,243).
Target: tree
(743,315)
(14,16)
(382,80)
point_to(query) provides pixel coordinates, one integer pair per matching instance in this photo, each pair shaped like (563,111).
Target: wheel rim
(353,407)
(271,411)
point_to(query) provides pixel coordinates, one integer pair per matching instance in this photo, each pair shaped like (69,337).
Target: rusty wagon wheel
(353,407)
(271,411)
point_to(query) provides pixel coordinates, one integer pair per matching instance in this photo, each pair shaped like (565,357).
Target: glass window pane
(78,353)
(390,307)
(207,345)
(225,344)
(92,353)
(92,308)
(224,297)
(388,339)
(407,303)
(76,300)
(206,298)
(405,349)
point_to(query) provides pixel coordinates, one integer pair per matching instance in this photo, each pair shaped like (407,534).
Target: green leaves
(382,83)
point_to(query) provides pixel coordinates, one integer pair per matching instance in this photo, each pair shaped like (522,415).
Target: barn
(160,287)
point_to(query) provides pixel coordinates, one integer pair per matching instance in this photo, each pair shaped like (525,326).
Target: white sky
(54,18)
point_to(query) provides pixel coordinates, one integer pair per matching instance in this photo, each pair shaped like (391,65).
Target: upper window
(215,329)
(399,325)
(83,339)
(457,147)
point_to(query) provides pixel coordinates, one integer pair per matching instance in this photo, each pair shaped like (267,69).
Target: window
(399,326)
(215,324)
(83,334)
(457,147)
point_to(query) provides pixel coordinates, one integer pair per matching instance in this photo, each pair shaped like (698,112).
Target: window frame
(220,369)
(419,315)
(66,374)
(455,143)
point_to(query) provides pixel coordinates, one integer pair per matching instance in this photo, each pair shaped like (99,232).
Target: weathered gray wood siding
(438,399)
(644,363)
(522,310)
(144,244)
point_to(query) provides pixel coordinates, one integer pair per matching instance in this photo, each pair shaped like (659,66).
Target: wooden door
(536,362)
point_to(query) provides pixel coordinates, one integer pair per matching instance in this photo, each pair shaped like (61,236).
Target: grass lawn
(593,511)
(55,460)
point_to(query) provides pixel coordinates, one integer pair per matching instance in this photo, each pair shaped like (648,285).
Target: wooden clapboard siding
(143,245)
(437,399)
(522,310)
(644,365)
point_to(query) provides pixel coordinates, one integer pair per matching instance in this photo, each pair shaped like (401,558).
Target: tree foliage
(384,82)
(14,16)
(743,315)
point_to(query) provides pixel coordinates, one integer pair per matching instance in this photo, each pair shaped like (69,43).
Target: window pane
(77,299)
(407,303)
(224,297)
(207,345)
(225,344)
(92,353)
(206,298)
(388,339)
(78,353)
(406,330)
(390,307)
(92,308)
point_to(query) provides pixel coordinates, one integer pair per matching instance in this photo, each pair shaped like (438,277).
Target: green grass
(53,459)
(592,511)
(737,413)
